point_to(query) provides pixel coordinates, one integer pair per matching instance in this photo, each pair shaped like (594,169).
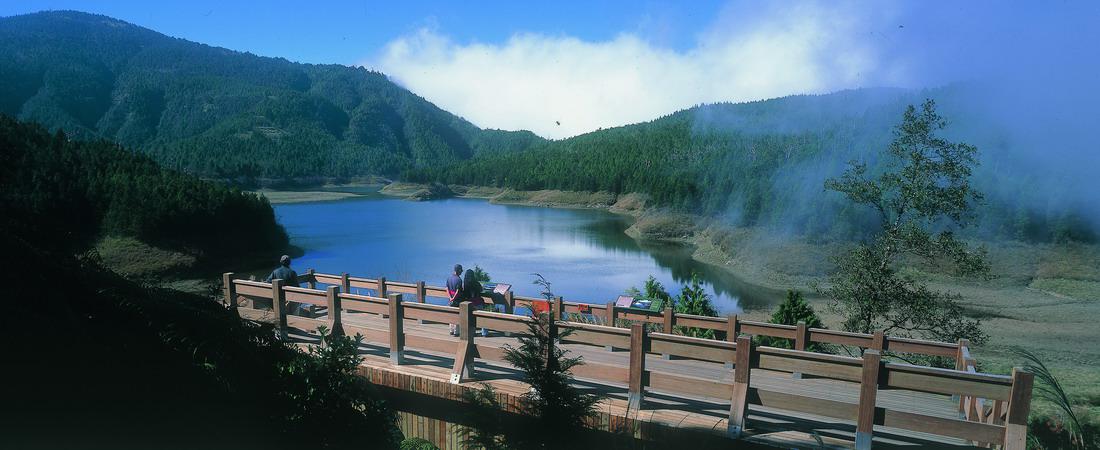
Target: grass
(281,197)
(135,259)
(1042,297)
(557,199)
(663,226)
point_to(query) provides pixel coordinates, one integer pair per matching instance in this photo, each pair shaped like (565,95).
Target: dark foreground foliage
(97,361)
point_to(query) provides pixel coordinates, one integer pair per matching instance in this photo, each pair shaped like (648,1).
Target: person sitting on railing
(290,278)
(454,292)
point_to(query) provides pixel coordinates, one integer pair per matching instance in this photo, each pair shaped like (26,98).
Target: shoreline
(1041,297)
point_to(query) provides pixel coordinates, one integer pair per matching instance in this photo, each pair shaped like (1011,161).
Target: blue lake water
(583,253)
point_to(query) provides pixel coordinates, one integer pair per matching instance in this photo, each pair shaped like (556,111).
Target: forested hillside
(764,164)
(220,113)
(61,194)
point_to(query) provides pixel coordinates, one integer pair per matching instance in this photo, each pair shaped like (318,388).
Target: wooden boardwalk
(674,409)
(649,373)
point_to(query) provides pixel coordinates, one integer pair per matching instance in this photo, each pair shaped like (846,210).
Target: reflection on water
(584,253)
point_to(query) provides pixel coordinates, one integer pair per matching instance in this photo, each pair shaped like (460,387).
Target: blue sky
(567,67)
(347,32)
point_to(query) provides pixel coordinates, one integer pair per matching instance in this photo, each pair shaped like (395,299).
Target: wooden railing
(728,327)
(993,408)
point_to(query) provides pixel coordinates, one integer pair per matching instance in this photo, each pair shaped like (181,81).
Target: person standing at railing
(472,288)
(290,278)
(455,292)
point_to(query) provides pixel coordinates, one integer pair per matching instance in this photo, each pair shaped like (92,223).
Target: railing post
(397,329)
(611,316)
(1019,405)
(733,330)
(382,289)
(636,396)
(801,339)
(464,360)
(959,357)
(278,304)
(556,308)
(345,283)
(332,295)
(509,307)
(311,282)
(230,291)
(667,326)
(868,392)
(421,296)
(509,303)
(739,402)
(878,341)
(551,344)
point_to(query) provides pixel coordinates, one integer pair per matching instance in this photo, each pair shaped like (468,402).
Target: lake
(583,253)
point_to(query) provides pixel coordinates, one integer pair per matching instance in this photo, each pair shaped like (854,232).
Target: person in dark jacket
(471,289)
(454,292)
(289,277)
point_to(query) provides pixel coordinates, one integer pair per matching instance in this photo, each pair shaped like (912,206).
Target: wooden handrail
(720,324)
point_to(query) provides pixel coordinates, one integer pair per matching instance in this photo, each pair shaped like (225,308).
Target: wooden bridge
(656,379)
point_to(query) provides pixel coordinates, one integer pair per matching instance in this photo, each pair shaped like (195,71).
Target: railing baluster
(397,329)
(636,395)
(1019,405)
(332,297)
(733,331)
(467,351)
(278,304)
(611,316)
(801,339)
(230,291)
(668,326)
(739,402)
(868,393)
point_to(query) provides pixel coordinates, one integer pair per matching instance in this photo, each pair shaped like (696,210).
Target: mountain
(224,114)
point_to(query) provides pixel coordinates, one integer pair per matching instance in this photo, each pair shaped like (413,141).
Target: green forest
(63,194)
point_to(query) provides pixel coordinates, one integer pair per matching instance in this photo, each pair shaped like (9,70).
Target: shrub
(793,310)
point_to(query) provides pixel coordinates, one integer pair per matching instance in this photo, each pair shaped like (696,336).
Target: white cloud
(532,81)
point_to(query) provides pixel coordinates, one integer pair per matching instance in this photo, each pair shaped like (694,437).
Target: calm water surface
(584,253)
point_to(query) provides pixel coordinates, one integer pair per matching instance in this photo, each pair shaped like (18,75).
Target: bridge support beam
(397,329)
(636,395)
(739,402)
(868,393)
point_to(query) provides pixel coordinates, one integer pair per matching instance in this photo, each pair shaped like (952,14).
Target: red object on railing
(540,306)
